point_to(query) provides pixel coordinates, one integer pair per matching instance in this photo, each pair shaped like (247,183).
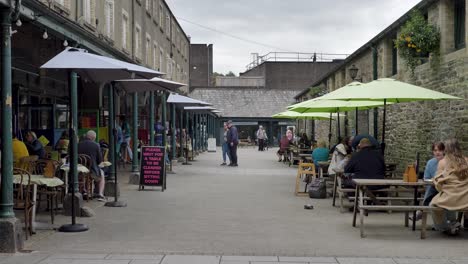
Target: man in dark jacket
(367,163)
(89,147)
(232,140)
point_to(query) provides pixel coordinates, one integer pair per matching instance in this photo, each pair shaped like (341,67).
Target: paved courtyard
(245,214)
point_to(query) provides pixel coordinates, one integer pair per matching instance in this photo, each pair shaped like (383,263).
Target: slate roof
(245,102)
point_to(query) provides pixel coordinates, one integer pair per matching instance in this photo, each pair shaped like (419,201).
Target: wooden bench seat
(399,208)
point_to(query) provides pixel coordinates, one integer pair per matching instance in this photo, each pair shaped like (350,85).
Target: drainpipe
(151,121)
(133,29)
(374,77)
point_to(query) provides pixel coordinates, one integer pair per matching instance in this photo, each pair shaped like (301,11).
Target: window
(109,12)
(161,15)
(138,41)
(125,30)
(459,16)
(89,12)
(148,50)
(155,10)
(168,24)
(161,58)
(148,6)
(155,56)
(168,67)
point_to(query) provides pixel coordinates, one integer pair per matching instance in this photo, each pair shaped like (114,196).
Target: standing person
(127,135)
(451,182)
(261,138)
(159,130)
(233,140)
(225,146)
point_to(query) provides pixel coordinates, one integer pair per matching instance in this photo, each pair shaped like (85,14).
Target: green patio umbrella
(334,106)
(386,90)
(296,115)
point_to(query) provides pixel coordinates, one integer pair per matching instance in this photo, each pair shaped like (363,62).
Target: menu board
(152,171)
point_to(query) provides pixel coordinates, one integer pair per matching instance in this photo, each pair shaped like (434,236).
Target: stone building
(201,65)
(411,127)
(139,31)
(266,88)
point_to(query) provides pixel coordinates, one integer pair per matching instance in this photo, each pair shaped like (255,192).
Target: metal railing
(294,57)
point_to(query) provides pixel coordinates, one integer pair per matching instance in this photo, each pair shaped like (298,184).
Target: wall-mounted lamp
(65,43)
(45,35)
(353,73)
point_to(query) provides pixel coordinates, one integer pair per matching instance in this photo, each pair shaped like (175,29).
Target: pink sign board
(152,163)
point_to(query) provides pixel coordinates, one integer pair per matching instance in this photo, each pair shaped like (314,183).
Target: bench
(337,189)
(399,208)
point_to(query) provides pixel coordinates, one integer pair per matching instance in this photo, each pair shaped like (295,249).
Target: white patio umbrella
(181,100)
(145,85)
(98,69)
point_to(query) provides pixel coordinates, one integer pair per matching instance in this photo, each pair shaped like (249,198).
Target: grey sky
(327,26)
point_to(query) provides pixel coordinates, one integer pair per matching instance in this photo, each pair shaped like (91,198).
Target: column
(164,118)
(6,202)
(173,130)
(112,132)
(135,133)
(151,119)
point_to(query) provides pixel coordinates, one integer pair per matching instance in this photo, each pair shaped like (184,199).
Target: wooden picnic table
(362,184)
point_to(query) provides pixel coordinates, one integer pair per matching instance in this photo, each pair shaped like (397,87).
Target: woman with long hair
(451,182)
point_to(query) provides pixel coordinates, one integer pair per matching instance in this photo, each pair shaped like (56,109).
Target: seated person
(357,139)
(304,142)
(367,163)
(284,148)
(451,182)
(34,146)
(339,153)
(62,144)
(320,153)
(431,169)
(89,147)
(19,150)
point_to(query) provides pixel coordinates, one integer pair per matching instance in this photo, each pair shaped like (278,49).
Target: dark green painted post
(192,128)
(135,133)
(151,121)
(374,77)
(197,128)
(74,129)
(6,205)
(112,133)
(164,118)
(186,136)
(173,130)
(181,125)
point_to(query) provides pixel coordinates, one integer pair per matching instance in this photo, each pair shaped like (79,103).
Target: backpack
(318,189)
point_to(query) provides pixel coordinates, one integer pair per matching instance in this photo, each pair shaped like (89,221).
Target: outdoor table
(105,164)
(66,168)
(361,184)
(35,181)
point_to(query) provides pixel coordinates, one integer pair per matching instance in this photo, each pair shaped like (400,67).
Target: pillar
(10,227)
(164,118)
(173,130)
(135,133)
(151,119)
(110,187)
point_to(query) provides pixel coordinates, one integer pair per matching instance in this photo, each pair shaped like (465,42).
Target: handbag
(318,189)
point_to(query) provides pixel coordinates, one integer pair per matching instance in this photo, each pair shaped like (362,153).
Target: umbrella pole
(186,138)
(382,145)
(339,128)
(112,138)
(73,154)
(356,121)
(329,132)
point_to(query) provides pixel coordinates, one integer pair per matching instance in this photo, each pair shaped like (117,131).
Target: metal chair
(49,168)
(22,193)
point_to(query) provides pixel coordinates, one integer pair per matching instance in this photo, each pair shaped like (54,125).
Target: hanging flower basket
(418,39)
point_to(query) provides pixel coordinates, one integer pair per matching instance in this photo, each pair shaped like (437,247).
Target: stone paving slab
(187,259)
(308,259)
(250,258)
